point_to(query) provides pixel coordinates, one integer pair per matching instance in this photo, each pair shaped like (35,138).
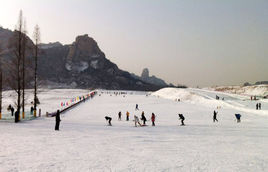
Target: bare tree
(24,45)
(15,64)
(36,36)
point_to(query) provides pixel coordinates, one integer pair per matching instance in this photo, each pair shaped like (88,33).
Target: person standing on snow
(143,118)
(181,118)
(57,117)
(257,106)
(127,114)
(119,116)
(137,107)
(136,120)
(215,116)
(12,111)
(153,119)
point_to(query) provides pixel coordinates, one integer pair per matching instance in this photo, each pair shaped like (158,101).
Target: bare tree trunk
(37,40)
(1,87)
(24,44)
(19,62)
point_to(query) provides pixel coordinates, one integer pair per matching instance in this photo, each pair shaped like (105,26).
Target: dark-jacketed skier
(109,119)
(12,111)
(143,118)
(119,116)
(181,118)
(238,117)
(57,117)
(137,107)
(215,116)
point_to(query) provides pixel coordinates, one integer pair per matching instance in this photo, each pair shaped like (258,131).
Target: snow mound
(186,95)
(207,98)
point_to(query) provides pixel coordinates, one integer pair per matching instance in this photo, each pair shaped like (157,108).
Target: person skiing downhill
(136,120)
(153,119)
(137,107)
(181,118)
(127,115)
(215,116)
(109,119)
(143,118)
(238,116)
(57,117)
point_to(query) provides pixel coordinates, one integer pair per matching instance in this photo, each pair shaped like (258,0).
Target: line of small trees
(21,65)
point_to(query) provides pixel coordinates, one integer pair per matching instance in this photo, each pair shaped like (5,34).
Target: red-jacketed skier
(153,119)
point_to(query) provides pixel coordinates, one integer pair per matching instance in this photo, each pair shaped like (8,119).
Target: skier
(215,116)
(257,106)
(143,118)
(12,111)
(57,117)
(238,116)
(127,116)
(119,116)
(153,119)
(136,120)
(109,119)
(137,107)
(181,118)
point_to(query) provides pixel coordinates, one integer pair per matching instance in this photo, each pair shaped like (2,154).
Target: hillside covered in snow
(253,90)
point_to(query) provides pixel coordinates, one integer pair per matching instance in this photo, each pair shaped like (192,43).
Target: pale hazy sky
(192,42)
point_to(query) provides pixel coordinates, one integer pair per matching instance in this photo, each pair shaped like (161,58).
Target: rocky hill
(150,79)
(80,65)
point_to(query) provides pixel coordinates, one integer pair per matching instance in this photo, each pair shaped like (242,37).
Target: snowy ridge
(254,90)
(207,98)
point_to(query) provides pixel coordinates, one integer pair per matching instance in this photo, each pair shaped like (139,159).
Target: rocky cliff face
(150,79)
(80,65)
(83,65)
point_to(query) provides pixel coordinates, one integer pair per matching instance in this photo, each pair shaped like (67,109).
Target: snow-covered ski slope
(86,143)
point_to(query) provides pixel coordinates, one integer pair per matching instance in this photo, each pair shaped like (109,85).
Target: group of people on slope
(136,118)
(237,116)
(143,118)
(11,108)
(258,106)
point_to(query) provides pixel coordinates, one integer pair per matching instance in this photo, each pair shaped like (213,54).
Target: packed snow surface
(86,143)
